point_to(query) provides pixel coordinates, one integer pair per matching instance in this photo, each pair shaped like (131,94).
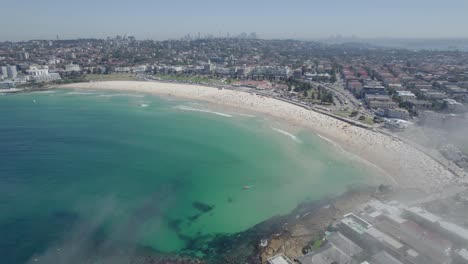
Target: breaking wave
(185,108)
(126,95)
(293,137)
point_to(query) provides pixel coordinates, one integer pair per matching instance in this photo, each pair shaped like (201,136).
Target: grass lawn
(110,77)
(368,120)
(196,79)
(343,113)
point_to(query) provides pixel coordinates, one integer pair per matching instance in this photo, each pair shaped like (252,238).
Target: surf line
(293,137)
(201,110)
(336,145)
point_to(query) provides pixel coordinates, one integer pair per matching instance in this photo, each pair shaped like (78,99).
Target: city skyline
(298,19)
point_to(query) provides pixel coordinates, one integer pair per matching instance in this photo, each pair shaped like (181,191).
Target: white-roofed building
(279,259)
(72,68)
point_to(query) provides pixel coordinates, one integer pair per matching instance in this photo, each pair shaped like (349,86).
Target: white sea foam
(293,137)
(246,115)
(331,142)
(43,92)
(144,105)
(126,95)
(79,93)
(185,108)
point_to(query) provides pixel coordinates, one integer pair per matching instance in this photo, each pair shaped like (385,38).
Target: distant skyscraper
(11,70)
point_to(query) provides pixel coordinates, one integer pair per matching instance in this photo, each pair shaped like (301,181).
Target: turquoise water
(105,166)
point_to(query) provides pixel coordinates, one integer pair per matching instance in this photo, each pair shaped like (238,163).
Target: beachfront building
(394,123)
(398,113)
(122,69)
(41,74)
(437,224)
(339,249)
(72,68)
(35,71)
(12,71)
(279,259)
(270,72)
(139,69)
(4,72)
(7,85)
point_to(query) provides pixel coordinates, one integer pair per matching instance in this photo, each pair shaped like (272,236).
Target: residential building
(7,85)
(405,95)
(11,71)
(396,123)
(72,68)
(374,101)
(398,113)
(41,74)
(37,71)
(373,90)
(4,72)
(433,95)
(454,106)
(262,72)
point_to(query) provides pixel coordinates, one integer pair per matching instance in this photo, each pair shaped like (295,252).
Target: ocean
(85,171)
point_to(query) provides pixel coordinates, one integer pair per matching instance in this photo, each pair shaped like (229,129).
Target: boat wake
(144,105)
(185,108)
(293,137)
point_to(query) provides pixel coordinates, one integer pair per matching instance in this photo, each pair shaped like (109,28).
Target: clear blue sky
(155,19)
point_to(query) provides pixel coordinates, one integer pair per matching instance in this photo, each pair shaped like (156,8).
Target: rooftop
(355,223)
(384,238)
(344,243)
(279,259)
(384,258)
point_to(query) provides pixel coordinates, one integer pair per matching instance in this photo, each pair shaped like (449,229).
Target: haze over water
(147,171)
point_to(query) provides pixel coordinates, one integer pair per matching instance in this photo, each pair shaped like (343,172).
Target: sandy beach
(407,166)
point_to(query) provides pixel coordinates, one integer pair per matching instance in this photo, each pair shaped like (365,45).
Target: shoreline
(406,165)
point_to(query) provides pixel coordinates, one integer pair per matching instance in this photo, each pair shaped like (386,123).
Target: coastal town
(368,84)
(381,102)
(390,89)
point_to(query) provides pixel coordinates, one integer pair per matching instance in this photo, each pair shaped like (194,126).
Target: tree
(327,97)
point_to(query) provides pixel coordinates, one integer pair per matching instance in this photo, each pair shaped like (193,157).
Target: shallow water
(106,167)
